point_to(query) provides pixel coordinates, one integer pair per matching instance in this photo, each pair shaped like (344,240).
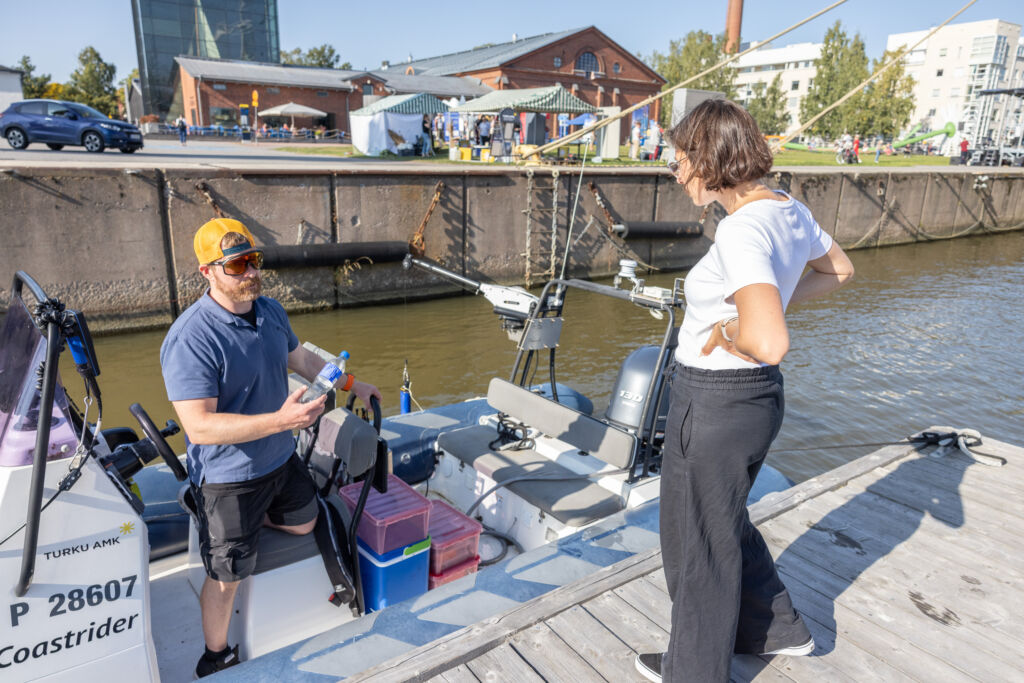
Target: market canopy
(552,99)
(292,109)
(413,103)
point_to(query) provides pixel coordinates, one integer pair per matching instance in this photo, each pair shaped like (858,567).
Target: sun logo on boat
(127,528)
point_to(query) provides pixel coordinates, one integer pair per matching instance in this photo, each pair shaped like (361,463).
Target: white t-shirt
(763,242)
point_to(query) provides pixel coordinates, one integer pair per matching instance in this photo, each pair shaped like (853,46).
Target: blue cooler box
(394,576)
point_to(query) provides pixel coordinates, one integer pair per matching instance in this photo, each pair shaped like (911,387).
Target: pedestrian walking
(727,400)
(634,141)
(182,130)
(965,154)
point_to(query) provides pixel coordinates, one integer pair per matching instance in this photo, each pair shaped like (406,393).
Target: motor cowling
(128,459)
(626,406)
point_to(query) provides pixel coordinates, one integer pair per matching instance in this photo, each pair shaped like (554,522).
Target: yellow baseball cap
(208,238)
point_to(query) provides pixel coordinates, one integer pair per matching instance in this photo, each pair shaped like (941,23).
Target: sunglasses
(673,165)
(240,264)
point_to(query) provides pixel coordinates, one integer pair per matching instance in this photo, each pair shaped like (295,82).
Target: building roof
(9,69)
(554,99)
(412,103)
(260,72)
(442,86)
(483,57)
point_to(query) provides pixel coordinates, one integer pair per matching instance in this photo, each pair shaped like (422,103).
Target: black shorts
(231,516)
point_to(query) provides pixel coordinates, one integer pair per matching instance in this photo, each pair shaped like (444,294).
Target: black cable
(510,432)
(923,438)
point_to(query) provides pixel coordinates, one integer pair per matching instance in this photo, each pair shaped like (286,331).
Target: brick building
(585,62)
(210,91)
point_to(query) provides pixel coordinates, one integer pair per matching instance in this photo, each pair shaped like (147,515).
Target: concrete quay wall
(118,243)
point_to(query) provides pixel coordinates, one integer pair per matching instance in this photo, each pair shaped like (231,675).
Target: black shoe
(205,667)
(649,664)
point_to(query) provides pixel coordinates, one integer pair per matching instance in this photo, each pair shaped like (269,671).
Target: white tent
(291,109)
(400,114)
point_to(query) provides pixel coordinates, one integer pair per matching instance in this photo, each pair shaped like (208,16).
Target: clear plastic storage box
(455,538)
(457,572)
(390,520)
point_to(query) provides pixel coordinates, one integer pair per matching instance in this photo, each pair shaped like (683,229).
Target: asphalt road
(169,154)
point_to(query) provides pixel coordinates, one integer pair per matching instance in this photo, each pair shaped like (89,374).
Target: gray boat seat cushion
(352,440)
(603,441)
(573,502)
(279,548)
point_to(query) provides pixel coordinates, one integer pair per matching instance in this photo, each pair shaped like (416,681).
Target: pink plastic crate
(457,572)
(454,537)
(390,520)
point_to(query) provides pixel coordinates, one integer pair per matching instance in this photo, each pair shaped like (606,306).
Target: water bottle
(324,382)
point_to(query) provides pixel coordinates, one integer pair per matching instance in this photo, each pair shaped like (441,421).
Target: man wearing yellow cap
(225,363)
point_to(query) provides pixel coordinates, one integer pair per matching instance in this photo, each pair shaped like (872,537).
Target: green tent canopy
(414,103)
(552,99)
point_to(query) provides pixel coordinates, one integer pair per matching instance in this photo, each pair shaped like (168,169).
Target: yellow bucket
(485,154)
(466,153)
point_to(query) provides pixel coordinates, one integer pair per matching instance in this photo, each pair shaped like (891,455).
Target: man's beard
(246,290)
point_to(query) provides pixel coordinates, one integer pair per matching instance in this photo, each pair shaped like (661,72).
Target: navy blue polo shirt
(210,352)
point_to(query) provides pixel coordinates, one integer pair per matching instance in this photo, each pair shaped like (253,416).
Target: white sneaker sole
(644,671)
(797,651)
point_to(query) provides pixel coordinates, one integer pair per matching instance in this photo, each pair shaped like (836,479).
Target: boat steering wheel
(157,436)
(374,406)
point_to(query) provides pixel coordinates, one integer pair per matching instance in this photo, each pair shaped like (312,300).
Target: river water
(926,334)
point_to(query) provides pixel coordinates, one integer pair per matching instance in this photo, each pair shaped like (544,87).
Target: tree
(889,99)
(32,86)
(842,65)
(55,91)
(769,107)
(322,56)
(688,57)
(92,83)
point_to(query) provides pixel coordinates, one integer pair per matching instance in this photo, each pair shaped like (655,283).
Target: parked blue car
(59,123)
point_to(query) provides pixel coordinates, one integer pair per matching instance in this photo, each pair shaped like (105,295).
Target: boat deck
(906,566)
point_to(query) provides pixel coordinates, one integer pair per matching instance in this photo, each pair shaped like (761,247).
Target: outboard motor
(626,406)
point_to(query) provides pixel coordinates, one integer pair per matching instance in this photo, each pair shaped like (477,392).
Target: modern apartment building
(952,68)
(757,70)
(216,29)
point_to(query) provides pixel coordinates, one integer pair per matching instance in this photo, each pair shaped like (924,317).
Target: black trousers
(726,594)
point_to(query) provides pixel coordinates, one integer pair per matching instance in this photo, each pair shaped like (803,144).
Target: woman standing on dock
(727,399)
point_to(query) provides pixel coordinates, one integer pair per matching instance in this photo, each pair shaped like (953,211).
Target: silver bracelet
(725,334)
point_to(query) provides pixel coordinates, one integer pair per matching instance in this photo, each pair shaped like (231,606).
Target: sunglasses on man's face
(240,264)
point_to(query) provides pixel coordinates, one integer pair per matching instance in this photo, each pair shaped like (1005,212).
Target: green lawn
(785,158)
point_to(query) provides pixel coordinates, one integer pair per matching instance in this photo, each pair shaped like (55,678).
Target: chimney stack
(515,37)
(733,25)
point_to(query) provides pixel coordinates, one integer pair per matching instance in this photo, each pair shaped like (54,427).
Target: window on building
(558,62)
(931,112)
(810,82)
(935,93)
(273,91)
(367,88)
(955,92)
(794,102)
(942,52)
(321,93)
(616,67)
(938,74)
(795,85)
(219,86)
(223,116)
(587,62)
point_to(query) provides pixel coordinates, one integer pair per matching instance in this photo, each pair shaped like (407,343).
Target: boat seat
(574,502)
(279,548)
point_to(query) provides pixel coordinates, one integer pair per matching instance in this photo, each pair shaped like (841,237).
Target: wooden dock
(906,566)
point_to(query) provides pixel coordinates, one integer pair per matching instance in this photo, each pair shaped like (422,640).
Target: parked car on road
(58,123)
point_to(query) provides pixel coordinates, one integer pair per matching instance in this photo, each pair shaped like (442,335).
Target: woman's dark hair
(722,144)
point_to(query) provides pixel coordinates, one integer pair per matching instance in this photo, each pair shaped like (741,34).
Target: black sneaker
(205,667)
(649,664)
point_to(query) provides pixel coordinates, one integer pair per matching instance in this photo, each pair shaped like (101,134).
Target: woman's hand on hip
(718,340)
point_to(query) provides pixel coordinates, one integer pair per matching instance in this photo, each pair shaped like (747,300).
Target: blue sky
(52,32)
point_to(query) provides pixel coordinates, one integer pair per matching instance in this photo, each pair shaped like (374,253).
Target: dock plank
(501,664)
(460,674)
(629,625)
(602,649)
(551,657)
(892,611)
